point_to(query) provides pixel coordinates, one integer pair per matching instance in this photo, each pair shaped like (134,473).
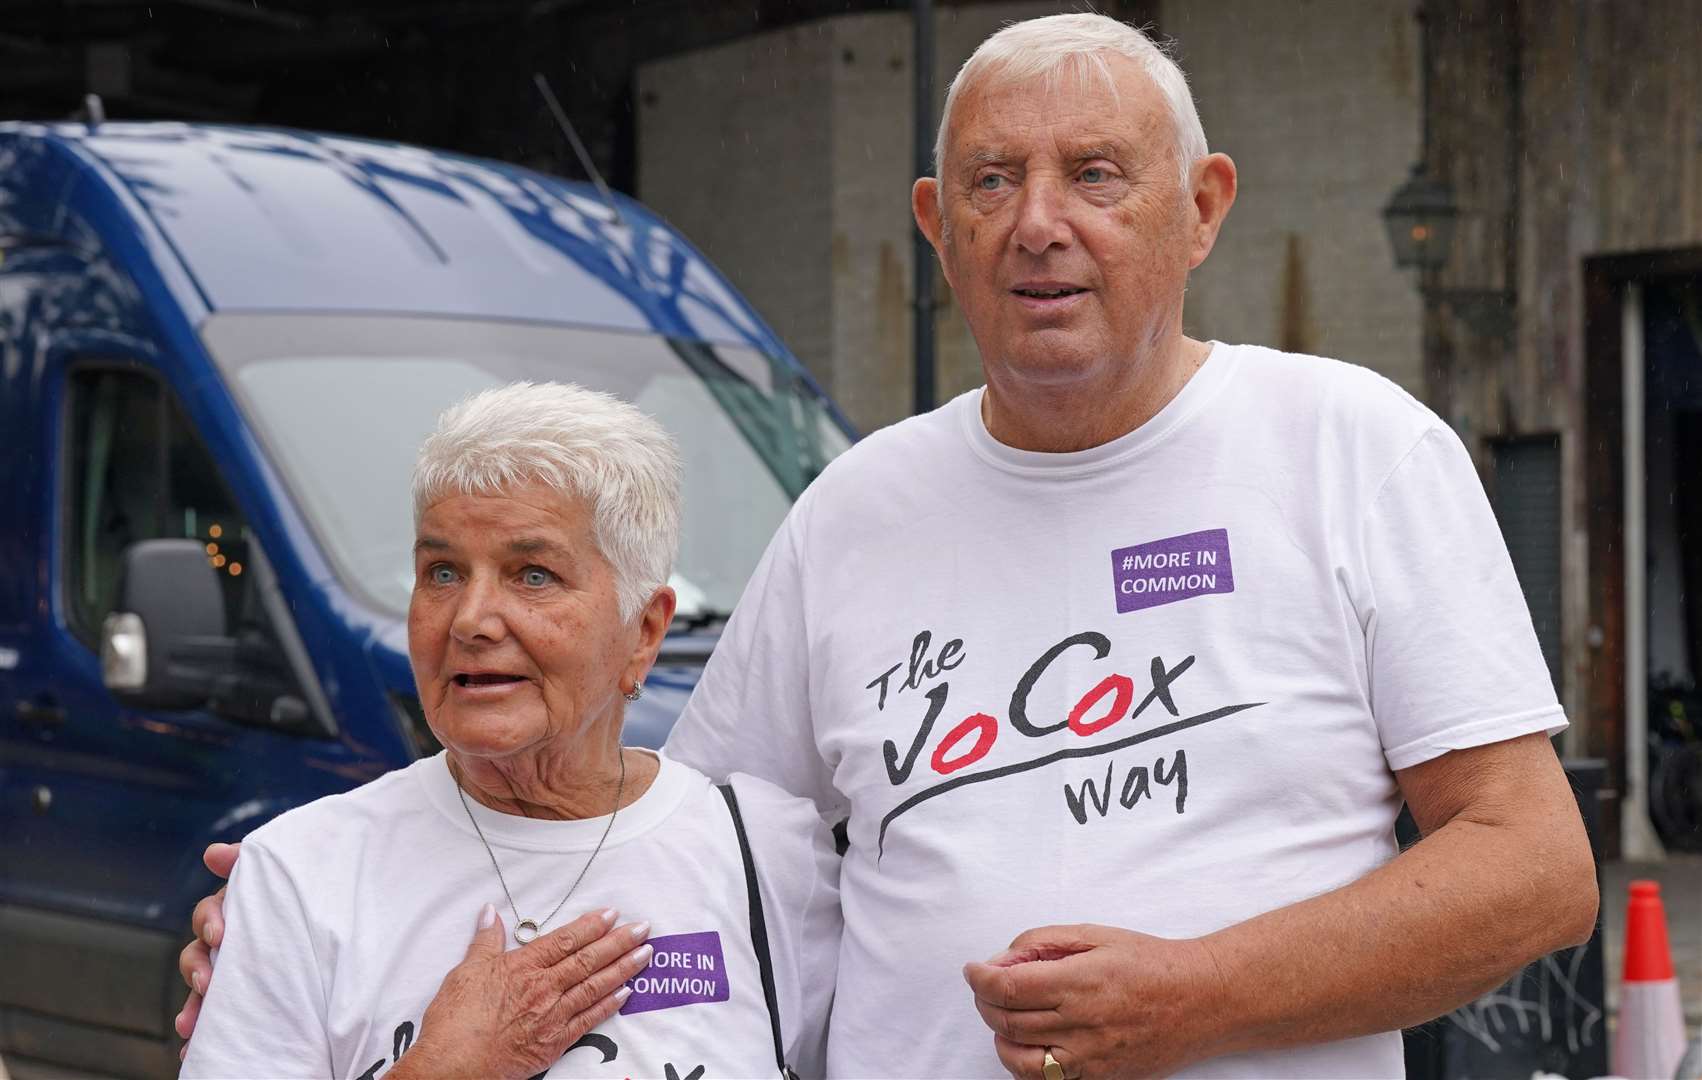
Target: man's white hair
(1078,43)
(581,443)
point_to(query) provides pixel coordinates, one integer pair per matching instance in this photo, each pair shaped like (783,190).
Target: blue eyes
(1093,174)
(533,577)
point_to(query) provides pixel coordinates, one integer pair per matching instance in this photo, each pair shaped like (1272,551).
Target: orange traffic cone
(1650,1038)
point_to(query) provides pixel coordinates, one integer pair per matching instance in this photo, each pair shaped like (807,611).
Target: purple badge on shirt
(685,970)
(1172,569)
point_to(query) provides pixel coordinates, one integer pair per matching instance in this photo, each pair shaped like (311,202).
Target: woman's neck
(551,785)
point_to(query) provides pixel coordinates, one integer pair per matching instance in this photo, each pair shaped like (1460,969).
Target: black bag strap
(759,930)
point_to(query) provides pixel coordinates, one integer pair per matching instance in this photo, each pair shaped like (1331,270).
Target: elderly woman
(546,520)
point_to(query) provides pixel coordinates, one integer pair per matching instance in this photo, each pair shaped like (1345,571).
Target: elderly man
(1123,665)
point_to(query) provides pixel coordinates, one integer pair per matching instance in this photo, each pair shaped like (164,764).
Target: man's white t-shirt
(1160,684)
(344,916)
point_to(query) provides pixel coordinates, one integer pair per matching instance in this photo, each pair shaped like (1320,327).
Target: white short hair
(1052,44)
(581,443)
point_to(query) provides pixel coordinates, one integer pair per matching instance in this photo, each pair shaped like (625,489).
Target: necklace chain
(526,929)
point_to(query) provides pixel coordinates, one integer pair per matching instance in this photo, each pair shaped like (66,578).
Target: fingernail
(200,982)
(177,1023)
(622,994)
(642,954)
(640,930)
(609,916)
(487,916)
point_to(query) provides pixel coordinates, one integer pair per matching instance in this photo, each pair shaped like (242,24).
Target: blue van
(219,350)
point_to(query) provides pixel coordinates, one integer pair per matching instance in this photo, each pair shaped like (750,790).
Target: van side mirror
(165,646)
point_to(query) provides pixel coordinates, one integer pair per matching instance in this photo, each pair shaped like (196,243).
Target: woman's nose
(478,614)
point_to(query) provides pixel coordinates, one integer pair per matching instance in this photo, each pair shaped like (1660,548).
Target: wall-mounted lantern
(1420,218)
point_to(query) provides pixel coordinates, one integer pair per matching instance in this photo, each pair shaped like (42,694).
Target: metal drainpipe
(922,16)
(1637,837)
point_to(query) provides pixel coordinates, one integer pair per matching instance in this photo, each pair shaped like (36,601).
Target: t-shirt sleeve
(1453,659)
(798,875)
(265,1009)
(751,710)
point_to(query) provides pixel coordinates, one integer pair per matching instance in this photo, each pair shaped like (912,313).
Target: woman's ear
(653,624)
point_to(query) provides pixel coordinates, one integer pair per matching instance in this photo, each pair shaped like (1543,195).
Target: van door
(104,857)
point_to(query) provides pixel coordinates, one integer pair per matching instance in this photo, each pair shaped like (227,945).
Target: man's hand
(513,1014)
(1502,876)
(195,962)
(1107,1002)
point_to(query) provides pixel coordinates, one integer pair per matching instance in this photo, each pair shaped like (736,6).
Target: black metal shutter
(1526,497)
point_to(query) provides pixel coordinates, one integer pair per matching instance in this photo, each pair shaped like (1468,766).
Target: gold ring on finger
(1052,1070)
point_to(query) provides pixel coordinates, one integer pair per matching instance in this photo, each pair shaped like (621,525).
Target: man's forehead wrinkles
(1004,119)
(1109,148)
(1064,147)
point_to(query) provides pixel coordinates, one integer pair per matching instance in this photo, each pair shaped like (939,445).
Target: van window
(752,433)
(135,470)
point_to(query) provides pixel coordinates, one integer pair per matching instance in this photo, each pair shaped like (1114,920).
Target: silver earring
(636,692)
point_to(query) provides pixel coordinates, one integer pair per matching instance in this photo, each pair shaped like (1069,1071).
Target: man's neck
(1060,420)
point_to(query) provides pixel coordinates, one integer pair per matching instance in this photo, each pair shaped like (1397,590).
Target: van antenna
(566,126)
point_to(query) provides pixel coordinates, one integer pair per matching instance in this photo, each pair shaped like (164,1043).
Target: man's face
(1066,233)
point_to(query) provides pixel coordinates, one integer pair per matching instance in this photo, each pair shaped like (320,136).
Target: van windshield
(342,404)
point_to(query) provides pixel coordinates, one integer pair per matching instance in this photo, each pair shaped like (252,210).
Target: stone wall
(1572,133)
(1317,105)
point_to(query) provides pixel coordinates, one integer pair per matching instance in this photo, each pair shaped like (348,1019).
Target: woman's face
(514,630)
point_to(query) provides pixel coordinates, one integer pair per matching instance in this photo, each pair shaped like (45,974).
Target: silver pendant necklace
(528,929)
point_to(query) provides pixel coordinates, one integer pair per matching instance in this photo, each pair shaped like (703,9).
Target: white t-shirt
(1159,684)
(344,916)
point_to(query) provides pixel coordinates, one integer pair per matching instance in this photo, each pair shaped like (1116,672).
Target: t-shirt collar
(511,830)
(1212,375)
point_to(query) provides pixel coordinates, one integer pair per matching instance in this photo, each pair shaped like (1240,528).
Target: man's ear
(925,204)
(1214,193)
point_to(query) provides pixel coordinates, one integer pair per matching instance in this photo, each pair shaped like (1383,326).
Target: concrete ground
(1680,878)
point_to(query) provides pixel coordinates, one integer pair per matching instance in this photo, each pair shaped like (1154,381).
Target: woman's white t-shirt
(344,916)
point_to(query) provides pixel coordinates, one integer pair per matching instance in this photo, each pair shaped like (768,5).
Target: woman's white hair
(1078,43)
(581,443)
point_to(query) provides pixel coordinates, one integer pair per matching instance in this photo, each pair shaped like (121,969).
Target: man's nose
(1043,216)
(478,614)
